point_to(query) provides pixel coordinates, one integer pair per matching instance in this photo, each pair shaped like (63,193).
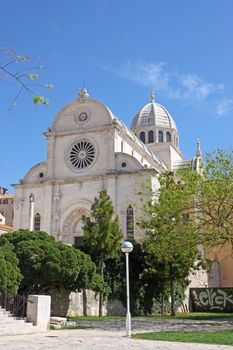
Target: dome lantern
(154,118)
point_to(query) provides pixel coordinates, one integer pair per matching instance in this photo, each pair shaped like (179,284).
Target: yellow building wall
(223,254)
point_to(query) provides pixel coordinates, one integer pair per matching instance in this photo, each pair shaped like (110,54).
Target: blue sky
(121,49)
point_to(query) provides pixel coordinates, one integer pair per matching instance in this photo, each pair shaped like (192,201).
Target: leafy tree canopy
(47,264)
(171,235)
(10,276)
(213,193)
(102,235)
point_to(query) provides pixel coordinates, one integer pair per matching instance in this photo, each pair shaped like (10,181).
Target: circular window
(81,154)
(123,165)
(82,117)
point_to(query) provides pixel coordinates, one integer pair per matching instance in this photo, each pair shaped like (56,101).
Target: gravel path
(149,324)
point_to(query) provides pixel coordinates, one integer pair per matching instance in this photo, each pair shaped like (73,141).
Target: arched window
(168,136)
(79,227)
(160,136)
(130,222)
(78,238)
(151,136)
(37,222)
(142,136)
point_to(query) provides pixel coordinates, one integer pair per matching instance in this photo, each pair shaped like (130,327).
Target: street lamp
(127,247)
(31,212)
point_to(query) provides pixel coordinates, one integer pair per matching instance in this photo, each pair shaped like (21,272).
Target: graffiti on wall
(212,299)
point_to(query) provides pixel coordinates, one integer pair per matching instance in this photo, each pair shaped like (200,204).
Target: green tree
(14,68)
(10,276)
(115,276)
(214,197)
(171,234)
(102,234)
(46,264)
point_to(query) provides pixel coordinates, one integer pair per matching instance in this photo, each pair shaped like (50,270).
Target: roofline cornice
(83,179)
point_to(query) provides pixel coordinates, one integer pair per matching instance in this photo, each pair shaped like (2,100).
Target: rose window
(82,117)
(82,154)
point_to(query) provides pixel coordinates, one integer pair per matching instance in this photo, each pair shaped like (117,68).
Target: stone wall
(198,279)
(84,303)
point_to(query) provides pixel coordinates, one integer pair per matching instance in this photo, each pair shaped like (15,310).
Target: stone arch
(70,222)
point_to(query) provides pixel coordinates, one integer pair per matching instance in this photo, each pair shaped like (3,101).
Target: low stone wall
(84,303)
(198,279)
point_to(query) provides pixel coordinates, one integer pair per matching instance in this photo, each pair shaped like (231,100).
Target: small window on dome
(151,136)
(168,136)
(160,136)
(142,136)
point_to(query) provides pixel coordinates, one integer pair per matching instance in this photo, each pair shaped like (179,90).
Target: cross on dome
(152,96)
(83,94)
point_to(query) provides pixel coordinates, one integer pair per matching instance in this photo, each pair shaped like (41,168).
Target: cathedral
(90,149)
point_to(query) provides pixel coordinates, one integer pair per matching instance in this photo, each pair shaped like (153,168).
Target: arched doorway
(72,232)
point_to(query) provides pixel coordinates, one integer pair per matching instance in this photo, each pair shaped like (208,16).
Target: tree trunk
(101,294)
(162,298)
(84,302)
(172,291)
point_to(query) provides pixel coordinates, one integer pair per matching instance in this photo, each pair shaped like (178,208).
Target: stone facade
(90,149)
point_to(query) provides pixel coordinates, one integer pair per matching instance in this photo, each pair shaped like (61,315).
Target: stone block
(38,311)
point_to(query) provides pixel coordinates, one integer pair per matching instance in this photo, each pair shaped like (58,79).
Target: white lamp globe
(126,247)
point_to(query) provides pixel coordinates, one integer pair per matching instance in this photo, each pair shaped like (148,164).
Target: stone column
(31,212)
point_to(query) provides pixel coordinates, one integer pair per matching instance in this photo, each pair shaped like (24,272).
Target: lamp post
(31,211)
(127,247)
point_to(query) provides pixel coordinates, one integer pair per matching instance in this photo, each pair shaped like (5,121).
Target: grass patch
(183,316)
(95,318)
(216,337)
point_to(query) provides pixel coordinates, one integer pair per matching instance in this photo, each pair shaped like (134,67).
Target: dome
(155,115)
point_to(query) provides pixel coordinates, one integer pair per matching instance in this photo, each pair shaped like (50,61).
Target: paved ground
(93,340)
(109,335)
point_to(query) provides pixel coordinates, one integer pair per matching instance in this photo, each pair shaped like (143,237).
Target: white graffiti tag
(215,299)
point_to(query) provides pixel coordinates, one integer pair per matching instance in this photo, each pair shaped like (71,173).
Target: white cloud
(196,88)
(224,106)
(189,88)
(146,74)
